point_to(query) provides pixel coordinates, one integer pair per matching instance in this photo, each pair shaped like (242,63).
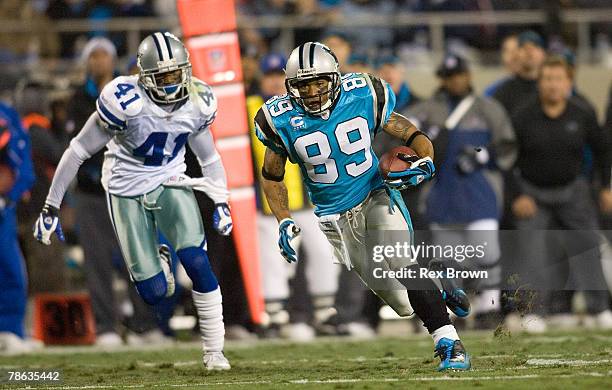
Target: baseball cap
(452,64)
(98,43)
(358,58)
(532,37)
(387,60)
(273,62)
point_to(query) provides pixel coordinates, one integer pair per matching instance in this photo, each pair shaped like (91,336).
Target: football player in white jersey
(145,121)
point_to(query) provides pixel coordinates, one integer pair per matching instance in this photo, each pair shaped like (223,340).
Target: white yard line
(541,359)
(333,381)
(565,362)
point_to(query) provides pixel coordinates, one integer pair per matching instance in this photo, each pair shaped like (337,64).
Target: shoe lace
(444,352)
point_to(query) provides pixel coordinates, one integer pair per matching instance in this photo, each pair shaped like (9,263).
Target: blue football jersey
(334,152)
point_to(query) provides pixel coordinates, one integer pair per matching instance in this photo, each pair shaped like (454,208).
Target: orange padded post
(63,319)
(216,58)
(199,17)
(230,103)
(212,41)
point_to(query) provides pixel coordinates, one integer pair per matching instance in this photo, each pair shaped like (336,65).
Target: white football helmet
(308,62)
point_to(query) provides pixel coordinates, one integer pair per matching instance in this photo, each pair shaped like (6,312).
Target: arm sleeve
(90,140)
(214,178)
(266,133)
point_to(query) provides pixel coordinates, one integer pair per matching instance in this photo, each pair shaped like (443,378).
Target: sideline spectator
(514,91)
(550,192)
(476,142)
(46,268)
(16,178)
(510,59)
(359,63)
(339,44)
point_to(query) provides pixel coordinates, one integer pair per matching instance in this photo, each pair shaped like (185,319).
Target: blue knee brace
(195,261)
(152,290)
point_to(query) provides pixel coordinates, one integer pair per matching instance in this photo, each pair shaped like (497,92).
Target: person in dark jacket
(474,143)
(551,192)
(521,86)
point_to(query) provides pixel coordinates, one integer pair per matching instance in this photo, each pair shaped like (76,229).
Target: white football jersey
(148,146)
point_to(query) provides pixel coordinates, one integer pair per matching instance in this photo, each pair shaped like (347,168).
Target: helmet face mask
(313,78)
(315,94)
(165,70)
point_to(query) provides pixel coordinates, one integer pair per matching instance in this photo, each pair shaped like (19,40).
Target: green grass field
(552,361)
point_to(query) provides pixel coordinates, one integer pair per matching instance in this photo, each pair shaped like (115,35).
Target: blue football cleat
(454,296)
(457,301)
(452,355)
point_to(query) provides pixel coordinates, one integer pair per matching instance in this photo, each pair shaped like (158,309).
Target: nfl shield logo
(217,60)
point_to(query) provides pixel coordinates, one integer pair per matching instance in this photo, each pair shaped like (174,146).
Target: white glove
(48,223)
(222,219)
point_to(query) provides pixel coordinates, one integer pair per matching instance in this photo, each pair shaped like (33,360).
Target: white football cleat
(604,320)
(300,332)
(534,324)
(565,321)
(166,264)
(358,330)
(108,340)
(11,344)
(216,361)
(601,320)
(152,337)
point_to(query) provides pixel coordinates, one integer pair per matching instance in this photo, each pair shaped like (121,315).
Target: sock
(152,290)
(446,331)
(196,264)
(276,311)
(427,302)
(210,314)
(323,307)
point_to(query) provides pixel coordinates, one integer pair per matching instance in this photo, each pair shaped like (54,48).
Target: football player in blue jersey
(325,124)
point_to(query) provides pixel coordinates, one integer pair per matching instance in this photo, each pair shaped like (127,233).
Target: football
(390,162)
(7,179)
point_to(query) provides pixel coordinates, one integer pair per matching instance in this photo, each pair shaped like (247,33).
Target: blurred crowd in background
(521,183)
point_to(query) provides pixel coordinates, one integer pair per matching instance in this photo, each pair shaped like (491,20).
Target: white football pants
(321,272)
(374,218)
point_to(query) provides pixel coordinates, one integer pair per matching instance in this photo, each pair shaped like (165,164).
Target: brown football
(389,162)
